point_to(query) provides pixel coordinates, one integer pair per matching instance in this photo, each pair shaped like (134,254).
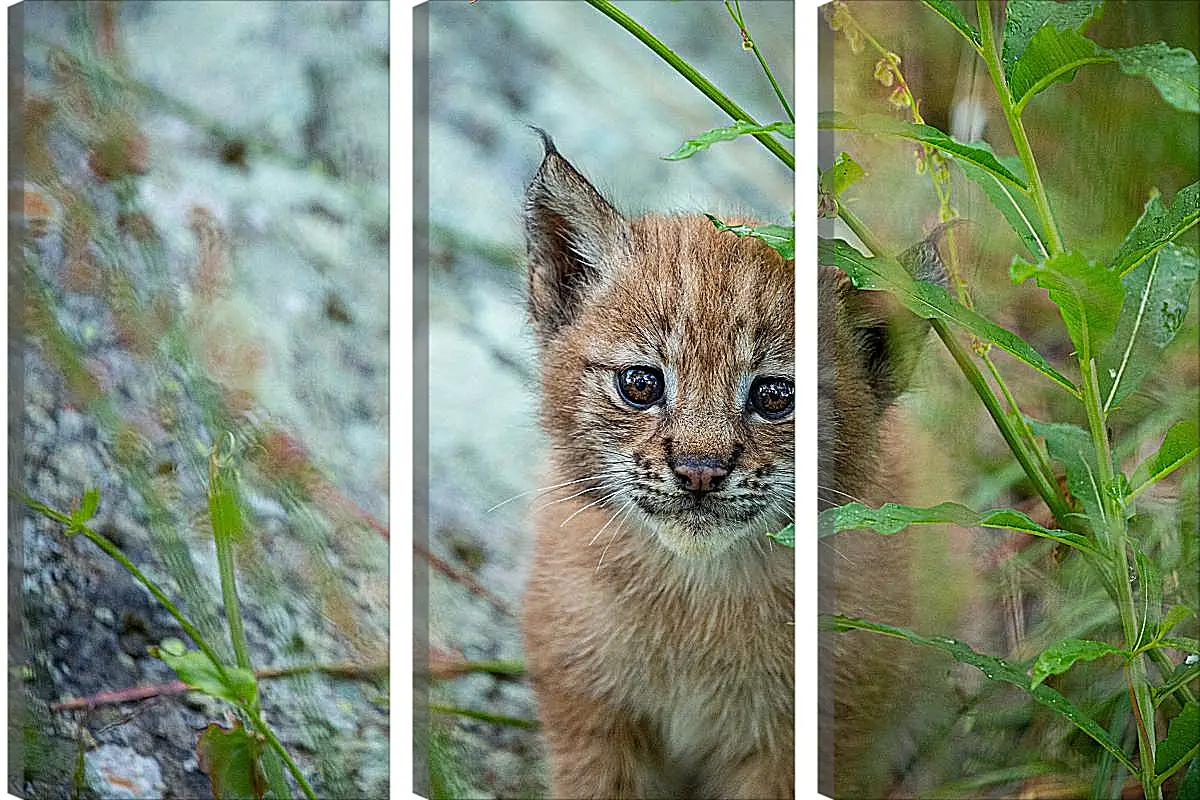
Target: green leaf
(995,669)
(198,672)
(1183,674)
(892,518)
(1060,656)
(1157,226)
(1179,446)
(224,509)
(230,758)
(947,10)
(1072,445)
(1025,18)
(845,171)
(1150,590)
(1185,643)
(786,536)
(1052,56)
(1157,292)
(727,133)
(782,239)
(1173,617)
(880,125)
(1190,788)
(1182,742)
(1088,296)
(929,301)
(1173,71)
(87,507)
(1014,205)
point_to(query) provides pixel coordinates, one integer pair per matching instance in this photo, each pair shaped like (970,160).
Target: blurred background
(614,109)
(201,260)
(1103,143)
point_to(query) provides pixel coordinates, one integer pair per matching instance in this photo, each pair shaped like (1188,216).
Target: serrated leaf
(1173,71)
(995,669)
(1052,56)
(1183,738)
(1061,656)
(929,301)
(198,672)
(1025,18)
(892,518)
(782,239)
(1072,445)
(1088,295)
(1157,292)
(947,10)
(728,133)
(878,125)
(843,173)
(1179,446)
(1014,205)
(786,536)
(1173,617)
(1157,226)
(230,758)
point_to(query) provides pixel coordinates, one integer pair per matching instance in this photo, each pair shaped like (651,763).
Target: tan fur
(659,633)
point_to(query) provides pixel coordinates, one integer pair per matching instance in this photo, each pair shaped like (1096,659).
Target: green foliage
(929,301)
(781,239)
(729,133)
(230,756)
(892,518)
(1060,656)
(1121,315)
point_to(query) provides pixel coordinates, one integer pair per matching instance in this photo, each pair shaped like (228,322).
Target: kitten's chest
(711,663)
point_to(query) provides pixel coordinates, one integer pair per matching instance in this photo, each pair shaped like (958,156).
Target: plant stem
(747,39)
(281,751)
(484,716)
(1114,537)
(115,553)
(695,78)
(1037,190)
(227,528)
(1044,486)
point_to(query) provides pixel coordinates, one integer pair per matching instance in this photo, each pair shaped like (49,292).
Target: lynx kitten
(659,616)
(659,623)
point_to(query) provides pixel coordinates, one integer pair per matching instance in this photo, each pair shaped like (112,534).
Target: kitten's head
(667,364)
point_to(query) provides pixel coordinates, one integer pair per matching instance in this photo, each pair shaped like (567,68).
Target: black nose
(700,474)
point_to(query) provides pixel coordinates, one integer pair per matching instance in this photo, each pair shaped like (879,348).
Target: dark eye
(641,387)
(772,398)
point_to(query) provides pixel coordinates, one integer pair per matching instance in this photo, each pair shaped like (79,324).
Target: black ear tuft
(573,236)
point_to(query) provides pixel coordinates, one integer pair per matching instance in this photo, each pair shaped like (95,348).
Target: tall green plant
(1120,311)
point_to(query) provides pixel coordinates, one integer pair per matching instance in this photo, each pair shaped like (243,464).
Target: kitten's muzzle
(700,475)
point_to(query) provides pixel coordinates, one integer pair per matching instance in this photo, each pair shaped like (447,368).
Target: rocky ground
(613,109)
(269,121)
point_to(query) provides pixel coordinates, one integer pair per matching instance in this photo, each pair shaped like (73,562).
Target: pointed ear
(572,236)
(889,336)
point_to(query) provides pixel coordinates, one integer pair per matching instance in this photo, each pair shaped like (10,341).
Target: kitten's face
(667,368)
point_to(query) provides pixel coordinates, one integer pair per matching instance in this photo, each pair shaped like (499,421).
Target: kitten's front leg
(600,751)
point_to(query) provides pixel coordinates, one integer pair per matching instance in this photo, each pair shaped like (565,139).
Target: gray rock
(121,773)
